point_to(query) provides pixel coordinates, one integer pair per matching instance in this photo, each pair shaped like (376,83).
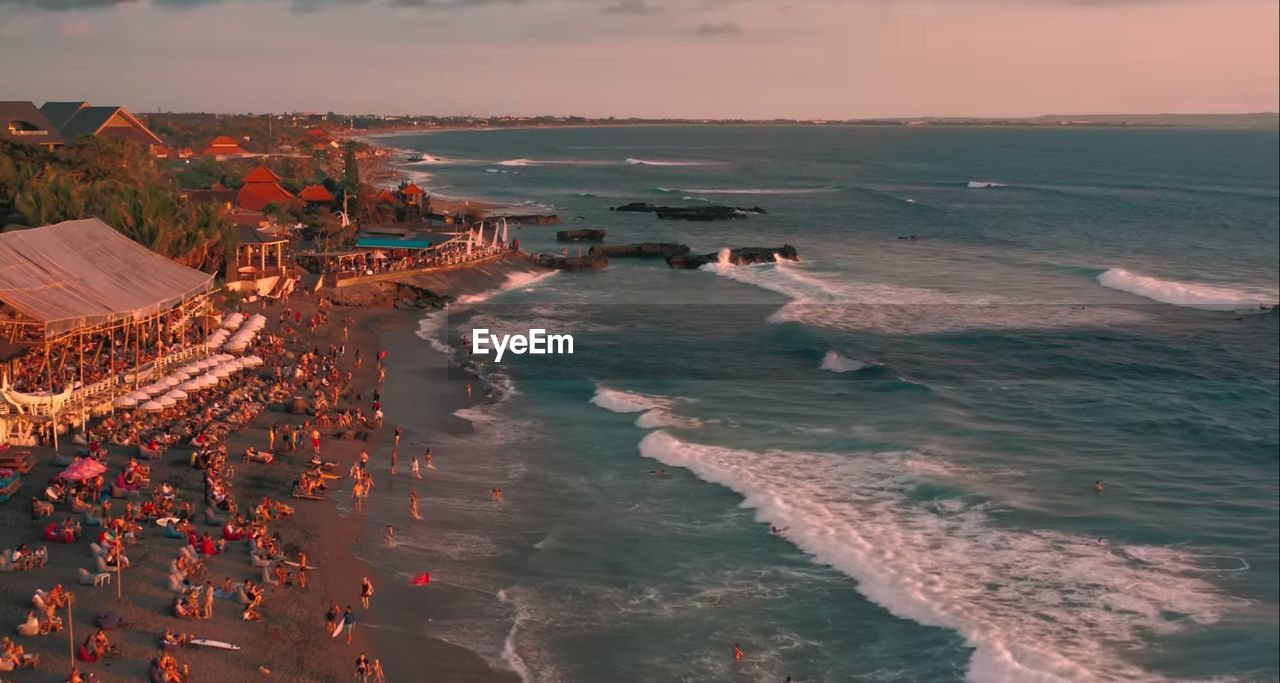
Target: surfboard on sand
(164,521)
(295,565)
(337,628)
(214,643)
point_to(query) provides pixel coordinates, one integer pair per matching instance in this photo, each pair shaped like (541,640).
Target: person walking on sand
(362,668)
(271,438)
(430,462)
(315,441)
(413,468)
(378,675)
(468,391)
(413,505)
(382,375)
(395,459)
(399,432)
(348,622)
(366,591)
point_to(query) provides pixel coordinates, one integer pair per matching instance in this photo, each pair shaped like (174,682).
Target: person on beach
(430,462)
(315,441)
(390,535)
(413,468)
(496,495)
(738,654)
(398,433)
(271,438)
(378,675)
(362,667)
(348,622)
(331,617)
(1097,487)
(468,391)
(413,505)
(395,459)
(366,591)
(382,375)
(206,601)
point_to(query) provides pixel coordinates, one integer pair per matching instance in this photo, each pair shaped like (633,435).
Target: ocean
(881,459)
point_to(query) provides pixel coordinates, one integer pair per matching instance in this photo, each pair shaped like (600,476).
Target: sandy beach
(291,642)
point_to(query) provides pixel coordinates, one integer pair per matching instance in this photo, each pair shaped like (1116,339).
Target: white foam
(1036,605)
(749,190)
(620,401)
(1189,294)
(659,418)
(650,162)
(518,280)
(517,162)
(835,362)
(826,300)
(983,184)
(509,653)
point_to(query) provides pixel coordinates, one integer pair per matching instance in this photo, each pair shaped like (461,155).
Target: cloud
(628,7)
(66,5)
(718,29)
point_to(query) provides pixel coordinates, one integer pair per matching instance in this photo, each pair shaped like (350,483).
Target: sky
(830,59)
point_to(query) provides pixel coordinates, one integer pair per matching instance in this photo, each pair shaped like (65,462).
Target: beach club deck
(86,314)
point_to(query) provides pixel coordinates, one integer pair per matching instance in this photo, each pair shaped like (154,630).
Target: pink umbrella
(84,468)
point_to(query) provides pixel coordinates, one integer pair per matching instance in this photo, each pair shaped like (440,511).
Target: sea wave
(829,301)
(1189,294)
(983,184)
(1035,605)
(651,162)
(621,401)
(834,362)
(749,190)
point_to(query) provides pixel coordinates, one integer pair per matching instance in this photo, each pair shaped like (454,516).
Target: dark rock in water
(581,235)
(699,213)
(643,249)
(557,262)
(742,256)
(639,207)
(690,213)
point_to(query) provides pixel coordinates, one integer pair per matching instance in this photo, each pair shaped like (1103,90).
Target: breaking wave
(1035,605)
(834,362)
(1189,294)
(983,184)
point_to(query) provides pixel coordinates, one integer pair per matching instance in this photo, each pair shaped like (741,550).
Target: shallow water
(923,420)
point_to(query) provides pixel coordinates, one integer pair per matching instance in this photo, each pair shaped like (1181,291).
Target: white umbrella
(233,321)
(157,388)
(191,385)
(171,381)
(167,402)
(124,402)
(223,357)
(251,361)
(181,376)
(139,395)
(237,347)
(221,372)
(152,407)
(209,379)
(177,395)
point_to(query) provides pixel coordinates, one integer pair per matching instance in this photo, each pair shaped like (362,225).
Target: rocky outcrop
(635,207)
(642,250)
(581,235)
(558,262)
(690,213)
(742,256)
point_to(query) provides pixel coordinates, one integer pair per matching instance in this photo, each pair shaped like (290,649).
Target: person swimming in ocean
(738,654)
(390,535)
(1097,487)
(776,530)
(658,473)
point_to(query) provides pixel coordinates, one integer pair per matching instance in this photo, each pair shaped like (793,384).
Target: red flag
(421,580)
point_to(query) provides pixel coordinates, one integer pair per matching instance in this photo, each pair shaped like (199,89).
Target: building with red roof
(316,194)
(224,146)
(387,196)
(261,188)
(412,194)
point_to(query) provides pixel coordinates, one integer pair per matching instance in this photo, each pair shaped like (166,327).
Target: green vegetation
(118,182)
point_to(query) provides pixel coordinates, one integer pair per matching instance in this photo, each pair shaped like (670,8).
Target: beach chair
(97,580)
(30,627)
